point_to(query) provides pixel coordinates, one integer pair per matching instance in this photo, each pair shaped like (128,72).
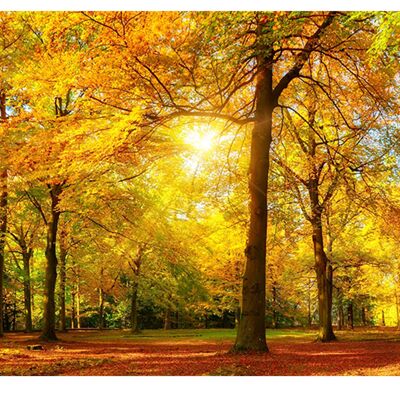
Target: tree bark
(397,308)
(275,322)
(350,316)
(167,319)
(3,214)
(26,257)
(363,316)
(78,303)
(101,309)
(251,331)
(324,294)
(135,265)
(73,313)
(134,313)
(63,279)
(49,320)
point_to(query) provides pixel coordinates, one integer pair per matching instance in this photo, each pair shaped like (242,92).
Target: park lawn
(201,352)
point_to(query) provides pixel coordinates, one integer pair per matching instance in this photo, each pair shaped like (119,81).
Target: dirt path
(84,355)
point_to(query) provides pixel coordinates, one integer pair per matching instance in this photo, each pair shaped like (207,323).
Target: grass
(193,334)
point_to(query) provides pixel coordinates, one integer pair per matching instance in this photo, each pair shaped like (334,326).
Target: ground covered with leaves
(200,352)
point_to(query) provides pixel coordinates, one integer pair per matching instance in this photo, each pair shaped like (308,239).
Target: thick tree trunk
(63,280)
(26,256)
(49,319)
(251,331)
(3,214)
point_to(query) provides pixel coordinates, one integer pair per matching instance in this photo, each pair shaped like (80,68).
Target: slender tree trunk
(251,331)
(350,316)
(63,280)
(325,311)
(49,319)
(397,308)
(14,320)
(135,264)
(167,319)
(26,256)
(340,317)
(101,308)
(329,283)
(73,313)
(274,306)
(324,273)
(309,316)
(363,316)
(78,303)
(134,312)
(3,214)
(383,318)
(237,317)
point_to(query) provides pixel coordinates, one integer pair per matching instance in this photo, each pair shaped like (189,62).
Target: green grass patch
(192,334)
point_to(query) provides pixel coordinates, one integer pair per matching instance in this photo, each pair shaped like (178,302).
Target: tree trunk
(309,316)
(101,309)
(324,294)
(73,313)
(26,256)
(49,319)
(135,265)
(340,317)
(63,279)
(274,305)
(363,316)
(134,313)
(14,314)
(237,317)
(383,318)
(3,214)
(323,271)
(78,303)
(167,319)
(251,331)
(350,317)
(397,309)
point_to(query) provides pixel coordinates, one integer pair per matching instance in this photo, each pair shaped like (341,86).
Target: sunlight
(200,137)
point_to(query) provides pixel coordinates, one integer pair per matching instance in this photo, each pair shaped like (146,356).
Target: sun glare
(200,138)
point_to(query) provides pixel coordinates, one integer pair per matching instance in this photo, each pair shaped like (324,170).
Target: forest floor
(373,351)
